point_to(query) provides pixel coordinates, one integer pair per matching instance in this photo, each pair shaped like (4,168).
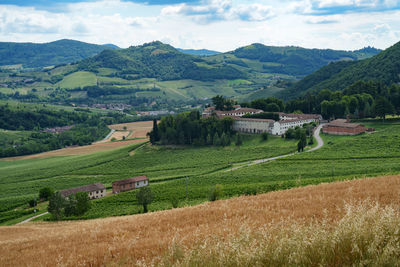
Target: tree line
(189,128)
(360,100)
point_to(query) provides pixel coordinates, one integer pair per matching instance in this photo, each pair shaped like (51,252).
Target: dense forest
(189,128)
(359,100)
(383,68)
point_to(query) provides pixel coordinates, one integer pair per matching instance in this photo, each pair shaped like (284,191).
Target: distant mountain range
(31,55)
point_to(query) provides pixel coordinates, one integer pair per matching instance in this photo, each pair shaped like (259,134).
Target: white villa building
(252,125)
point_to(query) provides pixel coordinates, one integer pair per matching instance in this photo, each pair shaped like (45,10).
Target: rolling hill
(160,61)
(159,75)
(383,67)
(33,55)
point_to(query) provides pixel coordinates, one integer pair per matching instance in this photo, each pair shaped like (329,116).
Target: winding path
(31,218)
(320,143)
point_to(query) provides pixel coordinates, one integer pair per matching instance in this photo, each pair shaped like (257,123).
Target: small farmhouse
(343,127)
(96,190)
(129,184)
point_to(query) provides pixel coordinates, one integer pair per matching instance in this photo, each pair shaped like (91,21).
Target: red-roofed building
(343,127)
(129,184)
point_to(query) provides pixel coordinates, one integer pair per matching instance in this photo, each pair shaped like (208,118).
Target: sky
(221,25)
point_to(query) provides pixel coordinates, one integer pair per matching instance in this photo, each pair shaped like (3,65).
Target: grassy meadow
(190,172)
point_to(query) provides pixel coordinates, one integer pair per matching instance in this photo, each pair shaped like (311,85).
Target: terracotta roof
(254,119)
(131,180)
(300,116)
(85,188)
(342,123)
(241,110)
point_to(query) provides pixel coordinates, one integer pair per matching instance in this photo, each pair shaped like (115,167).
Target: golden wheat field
(136,129)
(232,232)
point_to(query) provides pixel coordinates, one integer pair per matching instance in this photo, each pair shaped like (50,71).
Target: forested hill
(384,68)
(291,60)
(34,55)
(160,61)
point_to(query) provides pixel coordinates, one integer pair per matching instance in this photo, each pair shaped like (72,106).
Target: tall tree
(56,206)
(383,107)
(144,197)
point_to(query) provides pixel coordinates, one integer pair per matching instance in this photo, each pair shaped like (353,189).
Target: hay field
(137,129)
(79,150)
(133,130)
(159,236)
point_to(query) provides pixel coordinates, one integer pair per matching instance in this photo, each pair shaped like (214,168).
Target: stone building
(96,190)
(129,184)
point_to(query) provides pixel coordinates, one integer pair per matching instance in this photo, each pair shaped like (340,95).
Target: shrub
(32,203)
(264,136)
(174,201)
(215,193)
(239,141)
(45,193)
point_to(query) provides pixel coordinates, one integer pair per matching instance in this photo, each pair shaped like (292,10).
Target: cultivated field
(189,173)
(311,225)
(133,130)
(79,150)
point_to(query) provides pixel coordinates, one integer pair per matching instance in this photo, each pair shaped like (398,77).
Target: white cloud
(234,23)
(215,10)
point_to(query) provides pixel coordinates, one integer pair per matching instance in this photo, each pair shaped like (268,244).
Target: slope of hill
(384,68)
(289,60)
(199,52)
(304,226)
(160,61)
(158,76)
(33,55)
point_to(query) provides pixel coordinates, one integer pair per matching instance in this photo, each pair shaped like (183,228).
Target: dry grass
(79,150)
(133,130)
(117,135)
(138,129)
(151,237)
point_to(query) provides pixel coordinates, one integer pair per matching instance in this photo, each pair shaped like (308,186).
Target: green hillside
(289,60)
(383,68)
(33,55)
(160,61)
(158,76)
